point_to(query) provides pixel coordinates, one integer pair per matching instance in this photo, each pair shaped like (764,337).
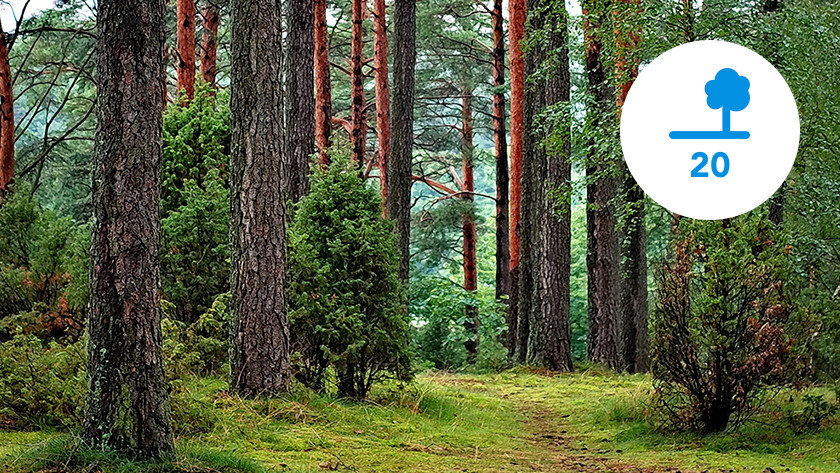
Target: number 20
(704,159)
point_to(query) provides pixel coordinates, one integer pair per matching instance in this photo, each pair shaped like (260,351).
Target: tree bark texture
(7,120)
(383,99)
(503,276)
(358,122)
(127,405)
(471,322)
(533,164)
(602,256)
(634,335)
(209,43)
(323,91)
(300,96)
(517,13)
(402,128)
(186,47)
(552,343)
(260,344)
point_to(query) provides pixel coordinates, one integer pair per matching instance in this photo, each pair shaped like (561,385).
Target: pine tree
(300,96)
(260,344)
(127,407)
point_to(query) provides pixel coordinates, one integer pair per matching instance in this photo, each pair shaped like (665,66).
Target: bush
(41,384)
(719,325)
(439,308)
(200,348)
(43,270)
(346,297)
(195,261)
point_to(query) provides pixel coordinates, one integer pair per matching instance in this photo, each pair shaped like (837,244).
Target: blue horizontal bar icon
(709,135)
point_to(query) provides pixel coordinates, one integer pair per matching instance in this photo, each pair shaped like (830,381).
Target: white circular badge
(710,130)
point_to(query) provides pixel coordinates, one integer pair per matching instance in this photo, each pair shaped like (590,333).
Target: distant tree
(503,276)
(300,98)
(633,331)
(602,258)
(358,121)
(7,120)
(186,47)
(398,205)
(550,341)
(209,42)
(260,338)
(323,92)
(383,99)
(517,14)
(127,407)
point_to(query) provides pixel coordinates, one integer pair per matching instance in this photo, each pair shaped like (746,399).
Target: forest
(257,236)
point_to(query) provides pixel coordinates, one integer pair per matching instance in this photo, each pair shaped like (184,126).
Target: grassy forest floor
(516,421)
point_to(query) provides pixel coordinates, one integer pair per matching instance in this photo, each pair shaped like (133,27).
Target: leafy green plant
(195,260)
(346,297)
(43,269)
(41,384)
(199,348)
(721,334)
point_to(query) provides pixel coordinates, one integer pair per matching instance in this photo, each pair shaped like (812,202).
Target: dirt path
(548,434)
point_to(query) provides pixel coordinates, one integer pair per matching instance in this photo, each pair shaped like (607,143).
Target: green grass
(515,421)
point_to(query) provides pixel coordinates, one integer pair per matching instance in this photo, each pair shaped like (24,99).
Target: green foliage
(721,333)
(43,269)
(196,141)
(195,261)
(438,307)
(41,384)
(346,298)
(814,411)
(201,347)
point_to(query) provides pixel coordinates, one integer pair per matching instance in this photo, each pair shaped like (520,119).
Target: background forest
(399,236)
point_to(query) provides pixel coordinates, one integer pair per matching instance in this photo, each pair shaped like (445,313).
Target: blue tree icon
(729,92)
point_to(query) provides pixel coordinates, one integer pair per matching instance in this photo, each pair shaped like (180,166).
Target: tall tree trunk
(383,99)
(602,257)
(517,14)
(260,344)
(687,21)
(471,322)
(209,42)
(634,333)
(777,202)
(300,96)
(7,120)
(127,405)
(186,47)
(358,122)
(323,92)
(503,277)
(533,168)
(402,128)
(552,341)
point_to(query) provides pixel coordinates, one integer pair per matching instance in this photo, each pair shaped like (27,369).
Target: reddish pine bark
(186,47)
(357,94)
(323,93)
(383,101)
(7,119)
(209,43)
(517,13)
(503,277)
(470,262)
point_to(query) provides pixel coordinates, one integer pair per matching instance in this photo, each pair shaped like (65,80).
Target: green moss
(515,421)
